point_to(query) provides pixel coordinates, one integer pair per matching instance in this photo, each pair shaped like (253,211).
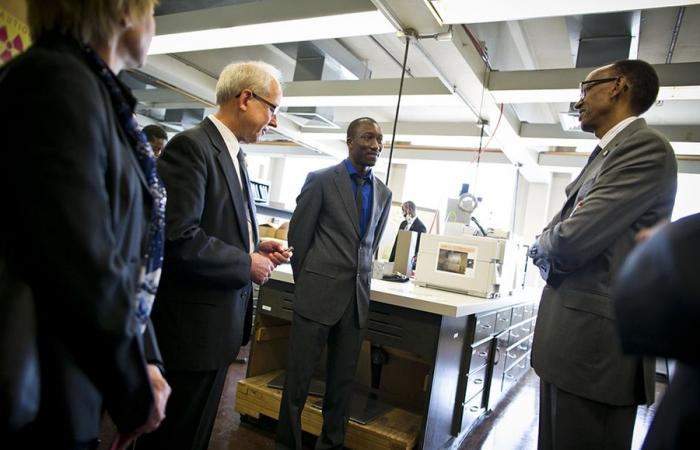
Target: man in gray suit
(340,216)
(589,390)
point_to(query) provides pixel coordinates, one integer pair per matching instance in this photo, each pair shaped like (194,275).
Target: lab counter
(434,360)
(434,301)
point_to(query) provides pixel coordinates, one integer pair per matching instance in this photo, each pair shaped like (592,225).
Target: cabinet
(494,359)
(435,375)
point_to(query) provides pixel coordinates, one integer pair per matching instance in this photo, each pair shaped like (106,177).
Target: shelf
(396,429)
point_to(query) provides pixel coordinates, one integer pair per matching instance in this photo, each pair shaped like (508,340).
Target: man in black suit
(657,303)
(336,227)
(411,222)
(589,389)
(212,252)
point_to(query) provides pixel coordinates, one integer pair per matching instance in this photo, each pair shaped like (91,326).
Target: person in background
(411,222)
(204,308)
(589,389)
(86,234)
(339,219)
(657,304)
(157,137)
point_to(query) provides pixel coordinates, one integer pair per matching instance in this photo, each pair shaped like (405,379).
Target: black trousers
(306,342)
(570,422)
(190,413)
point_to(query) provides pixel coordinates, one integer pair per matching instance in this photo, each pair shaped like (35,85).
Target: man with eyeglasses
(589,389)
(212,252)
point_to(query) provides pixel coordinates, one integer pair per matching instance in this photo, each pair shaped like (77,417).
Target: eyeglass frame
(275,109)
(594,82)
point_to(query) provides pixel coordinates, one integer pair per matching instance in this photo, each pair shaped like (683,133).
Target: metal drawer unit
(511,354)
(275,299)
(484,326)
(476,363)
(404,329)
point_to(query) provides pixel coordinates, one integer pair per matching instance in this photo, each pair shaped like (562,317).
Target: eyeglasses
(586,85)
(274,109)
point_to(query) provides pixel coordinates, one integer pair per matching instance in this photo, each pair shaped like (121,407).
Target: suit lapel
(343,184)
(229,171)
(594,166)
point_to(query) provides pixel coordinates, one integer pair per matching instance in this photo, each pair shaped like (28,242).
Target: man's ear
(242,100)
(620,86)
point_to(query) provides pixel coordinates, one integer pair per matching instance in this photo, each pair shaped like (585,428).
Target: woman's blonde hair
(89,21)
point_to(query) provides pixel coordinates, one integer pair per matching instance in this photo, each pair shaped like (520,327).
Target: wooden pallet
(396,429)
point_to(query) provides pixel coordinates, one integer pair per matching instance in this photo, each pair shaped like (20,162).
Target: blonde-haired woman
(87,206)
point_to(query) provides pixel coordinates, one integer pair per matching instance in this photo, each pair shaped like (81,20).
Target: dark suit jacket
(630,185)
(657,302)
(78,230)
(332,264)
(416,226)
(204,293)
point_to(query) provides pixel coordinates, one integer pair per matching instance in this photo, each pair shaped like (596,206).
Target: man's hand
(161,391)
(260,268)
(275,251)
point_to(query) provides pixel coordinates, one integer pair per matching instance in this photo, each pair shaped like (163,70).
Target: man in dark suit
(589,390)
(336,227)
(212,252)
(411,222)
(657,303)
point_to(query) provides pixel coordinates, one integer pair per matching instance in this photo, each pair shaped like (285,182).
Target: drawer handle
(478,381)
(515,335)
(482,353)
(522,347)
(474,408)
(511,355)
(503,319)
(487,326)
(509,376)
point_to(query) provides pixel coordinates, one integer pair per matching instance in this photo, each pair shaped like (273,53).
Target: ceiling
(504,78)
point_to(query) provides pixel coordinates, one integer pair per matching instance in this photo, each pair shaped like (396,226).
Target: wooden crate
(396,429)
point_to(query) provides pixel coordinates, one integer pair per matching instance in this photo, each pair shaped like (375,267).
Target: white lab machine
(478,266)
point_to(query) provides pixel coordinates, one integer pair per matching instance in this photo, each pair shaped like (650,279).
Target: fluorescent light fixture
(326,27)
(372,100)
(569,121)
(423,140)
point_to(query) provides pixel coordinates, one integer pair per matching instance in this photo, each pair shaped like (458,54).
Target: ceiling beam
(565,161)
(459,11)
(374,92)
(265,22)
(685,139)
(679,81)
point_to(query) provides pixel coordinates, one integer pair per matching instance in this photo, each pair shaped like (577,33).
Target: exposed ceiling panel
(524,47)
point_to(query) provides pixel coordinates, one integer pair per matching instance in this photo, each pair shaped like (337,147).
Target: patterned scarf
(123,104)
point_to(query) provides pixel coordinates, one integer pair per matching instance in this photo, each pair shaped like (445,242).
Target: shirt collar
(229,138)
(352,171)
(614,131)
